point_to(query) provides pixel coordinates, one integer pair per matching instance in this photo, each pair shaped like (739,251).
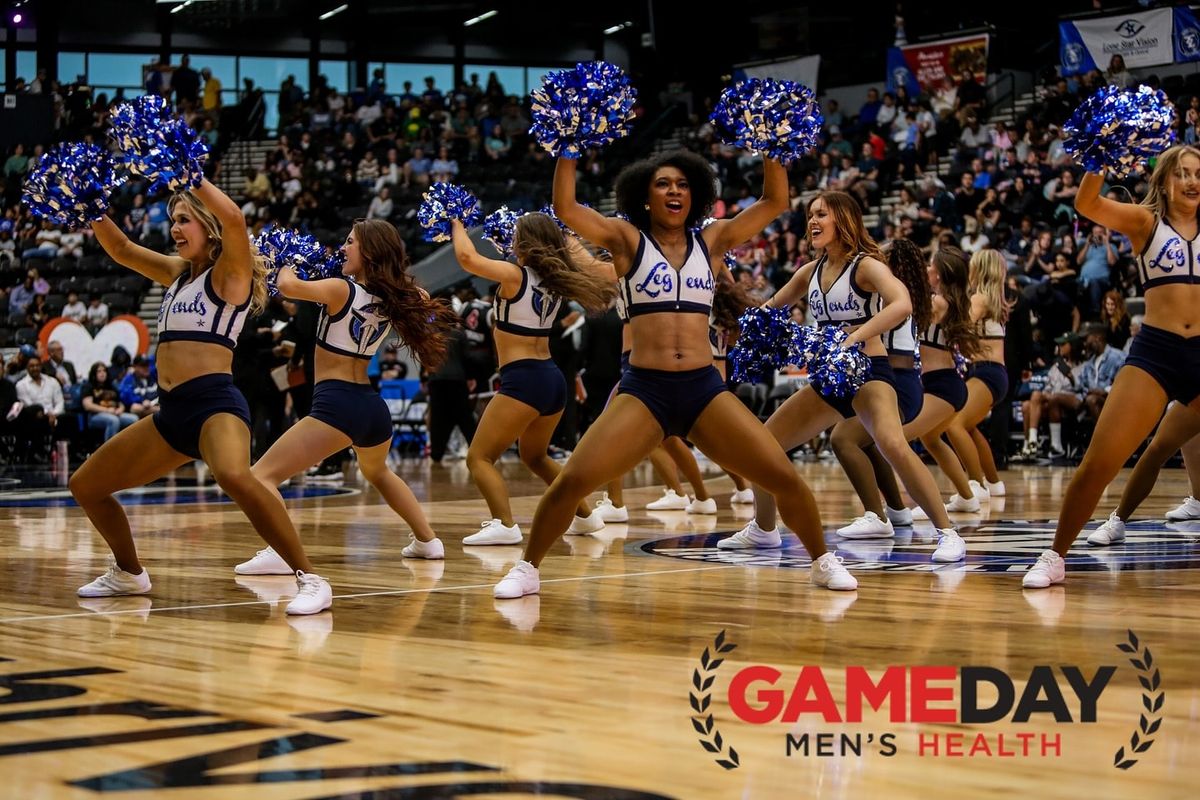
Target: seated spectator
(56,365)
(135,218)
(1057,396)
(1135,325)
(391,172)
(1096,260)
(47,242)
(97,313)
(71,244)
(41,400)
(18,163)
(417,168)
(444,167)
(497,145)
(381,205)
(8,249)
(37,314)
(368,170)
(1115,319)
(75,309)
(139,388)
(21,296)
(103,404)
(972,98)
(973,239)
(1099,370)
(1117,74)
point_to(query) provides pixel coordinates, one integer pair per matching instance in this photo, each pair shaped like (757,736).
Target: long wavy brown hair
(540,245)
(907,263)
(212,227)
(422,322)
(847,216)
(953,277)
(730,299)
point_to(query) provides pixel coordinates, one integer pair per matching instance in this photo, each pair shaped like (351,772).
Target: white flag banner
(1142,39)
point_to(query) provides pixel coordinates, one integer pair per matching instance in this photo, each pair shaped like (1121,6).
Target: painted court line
(385,593)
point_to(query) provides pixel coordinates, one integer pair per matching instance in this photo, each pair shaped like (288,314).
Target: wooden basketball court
(420,685)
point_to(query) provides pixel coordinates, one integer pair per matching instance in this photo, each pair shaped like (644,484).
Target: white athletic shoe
(996,489)
(979,491)
(1049,570)
(698,506)
(1111,532)
(868,526)
(899,517)
(743,496)
(313,595)
(669,502)
(265,562)
(1189,509)
(827,571)
(521,580)
(968,506)
(415,548)
(918,513)
(116,581)
(950,547)
(495,532)
(751,537)
(610,512)
(584,525)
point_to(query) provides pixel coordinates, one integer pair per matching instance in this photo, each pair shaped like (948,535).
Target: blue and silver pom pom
(836,371)
(588,106)
(1118,130)
(443,203)
(960,363)
(768,341)
(780,119)
(157,146)
(284,248)
(70,184)
(500,227)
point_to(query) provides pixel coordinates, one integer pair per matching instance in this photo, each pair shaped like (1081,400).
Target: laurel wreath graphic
(702,720)
(1148,676)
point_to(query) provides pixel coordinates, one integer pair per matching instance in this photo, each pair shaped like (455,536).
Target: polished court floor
(608,684)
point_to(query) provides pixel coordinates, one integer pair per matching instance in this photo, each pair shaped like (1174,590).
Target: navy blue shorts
(994,376)
(1171,359)
(881,370)
(909,392)
(676,399)
(536,382)
(948,385)
(183,410)
(625,361)
(355,409)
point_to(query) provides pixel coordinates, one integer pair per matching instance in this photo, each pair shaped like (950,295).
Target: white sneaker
(1111,532)
(698,506)
(116,582)
(521,580)
(418,549)
(1049,570)
(313,594)
(899,517)
(751,537)
(610,512)
(968,506)
(950,547)
(265,562)
(1187,510)
(918,513)
(978,490)
(742,496)
(669,502)
(584,525)
(868,526)
(996,489)
(495,532)
(827,571)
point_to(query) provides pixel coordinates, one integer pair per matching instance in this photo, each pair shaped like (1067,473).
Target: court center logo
(758,694)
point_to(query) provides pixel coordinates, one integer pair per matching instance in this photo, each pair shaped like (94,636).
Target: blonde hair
(988,271)
(212,228)
(1157,198)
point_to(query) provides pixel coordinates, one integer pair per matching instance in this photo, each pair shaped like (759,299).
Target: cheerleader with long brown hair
(375,295)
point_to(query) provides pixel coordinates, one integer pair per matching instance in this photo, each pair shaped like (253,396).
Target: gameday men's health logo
(760,694)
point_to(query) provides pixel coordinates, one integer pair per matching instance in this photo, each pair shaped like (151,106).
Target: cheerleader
(376,295)
(851,287)
(987,382)
(533,392)
(671,387)
(1178,429)
(214,282)
(949,329)
(1164,359)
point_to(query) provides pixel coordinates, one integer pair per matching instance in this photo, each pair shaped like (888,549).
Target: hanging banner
(1142,39)
(1186,35)
(931,62)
